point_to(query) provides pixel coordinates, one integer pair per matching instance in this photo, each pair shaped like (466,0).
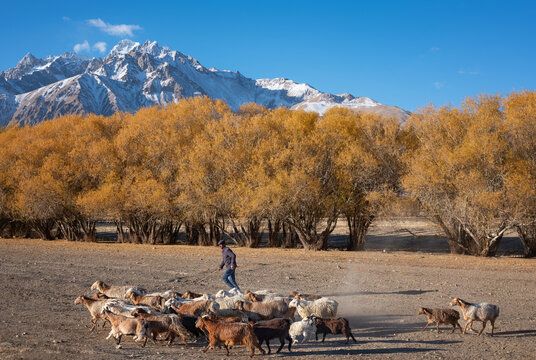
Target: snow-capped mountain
(135,75)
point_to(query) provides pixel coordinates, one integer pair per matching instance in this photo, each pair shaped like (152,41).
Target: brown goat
(268,310)
(190,295)
(252,297)
(441,316)
(218,318)
(229,334)
(163,324)
(335,326)
(195,308)
(122,325)
(155,301)
(271,329)
(95,309)
(100,296)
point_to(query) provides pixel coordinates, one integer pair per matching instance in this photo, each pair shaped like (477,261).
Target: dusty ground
(379,292)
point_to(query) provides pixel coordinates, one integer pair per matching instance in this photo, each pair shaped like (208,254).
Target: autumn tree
(12,147)
(55,164)
(254,140)
(366,150)
(200,175)
(458,171)
(520,181)
(297,183)
(141,189)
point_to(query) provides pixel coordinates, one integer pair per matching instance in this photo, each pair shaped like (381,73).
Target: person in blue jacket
(228,260)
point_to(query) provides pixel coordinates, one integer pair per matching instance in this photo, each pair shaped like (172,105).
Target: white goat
(323,307)
(480,312)
(304,330)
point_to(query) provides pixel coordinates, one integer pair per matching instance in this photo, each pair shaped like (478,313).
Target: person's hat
(221,242)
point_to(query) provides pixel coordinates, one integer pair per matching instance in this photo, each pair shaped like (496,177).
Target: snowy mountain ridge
(135,75)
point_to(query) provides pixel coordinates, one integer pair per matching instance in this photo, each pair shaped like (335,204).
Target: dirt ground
(378,291)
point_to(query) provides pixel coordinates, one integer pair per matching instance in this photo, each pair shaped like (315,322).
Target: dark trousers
(229,278)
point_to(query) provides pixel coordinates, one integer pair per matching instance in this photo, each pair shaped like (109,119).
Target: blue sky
(403,53)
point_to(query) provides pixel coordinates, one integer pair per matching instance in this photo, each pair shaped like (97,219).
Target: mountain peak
(124,47)
(28,60)
(151,47)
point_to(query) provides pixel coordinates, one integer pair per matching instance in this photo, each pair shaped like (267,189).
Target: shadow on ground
(401,292)
(516,333)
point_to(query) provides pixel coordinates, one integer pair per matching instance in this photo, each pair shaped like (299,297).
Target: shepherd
(228,260)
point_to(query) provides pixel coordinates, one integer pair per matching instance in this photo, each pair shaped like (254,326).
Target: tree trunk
(527,235)
(169,232)
(308,235)
(203,238)
(4,222)
(215,234)
(252,233)
(43,228)
(462,240)
(289,236)
(70,229)
(357,227)
(122,237)
(89,229)
(17,229)
(274,237)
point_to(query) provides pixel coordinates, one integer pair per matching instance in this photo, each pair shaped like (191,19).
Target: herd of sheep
(230,318)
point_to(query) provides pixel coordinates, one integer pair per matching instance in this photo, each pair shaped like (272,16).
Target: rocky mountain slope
(135,75)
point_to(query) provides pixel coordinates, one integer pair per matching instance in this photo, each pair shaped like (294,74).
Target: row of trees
(212,172)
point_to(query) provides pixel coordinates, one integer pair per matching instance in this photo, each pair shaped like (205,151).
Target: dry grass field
(379,291)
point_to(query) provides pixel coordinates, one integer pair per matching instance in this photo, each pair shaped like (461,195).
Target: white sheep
(275,297)
(480,312)
(229,302)
(120,307)
(114,291)
(233,292)
(304,330)
(323,307)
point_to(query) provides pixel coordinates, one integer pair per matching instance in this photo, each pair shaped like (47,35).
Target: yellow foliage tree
(457,172)
(366,150)
(520,181)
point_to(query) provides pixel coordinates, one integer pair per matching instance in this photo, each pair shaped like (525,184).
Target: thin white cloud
(81,47)
(435,49)
(466,72)
(100,47)
(119,30)
(66,18)
(439,84)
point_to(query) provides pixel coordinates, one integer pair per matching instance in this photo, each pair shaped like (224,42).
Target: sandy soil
(379,292)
